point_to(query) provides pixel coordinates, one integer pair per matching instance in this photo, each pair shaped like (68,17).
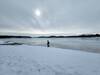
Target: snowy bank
(34,60)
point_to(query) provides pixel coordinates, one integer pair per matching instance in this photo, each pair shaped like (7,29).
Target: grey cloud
(68,16)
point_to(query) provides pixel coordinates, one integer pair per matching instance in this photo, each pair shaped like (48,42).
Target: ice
(1,42)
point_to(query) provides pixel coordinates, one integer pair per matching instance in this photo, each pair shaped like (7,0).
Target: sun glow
(37,12)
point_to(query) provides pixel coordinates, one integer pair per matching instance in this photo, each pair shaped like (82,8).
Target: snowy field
(36,60)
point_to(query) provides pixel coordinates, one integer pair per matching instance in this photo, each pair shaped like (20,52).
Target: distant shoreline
(53,36)
(11,36)
(73,36)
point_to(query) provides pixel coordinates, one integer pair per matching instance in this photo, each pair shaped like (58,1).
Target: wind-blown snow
(34,60)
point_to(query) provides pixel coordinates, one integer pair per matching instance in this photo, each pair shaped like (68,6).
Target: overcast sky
(50,16)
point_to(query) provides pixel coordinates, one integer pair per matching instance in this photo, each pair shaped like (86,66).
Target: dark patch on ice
(10,43)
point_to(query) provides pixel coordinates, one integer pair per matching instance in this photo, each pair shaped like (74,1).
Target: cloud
(58,16)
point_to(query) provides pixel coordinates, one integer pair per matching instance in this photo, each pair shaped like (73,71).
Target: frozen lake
(84,44)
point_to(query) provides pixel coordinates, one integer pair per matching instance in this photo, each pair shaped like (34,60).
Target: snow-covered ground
(35,60)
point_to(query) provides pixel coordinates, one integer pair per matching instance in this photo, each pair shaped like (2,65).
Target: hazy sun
(37,12)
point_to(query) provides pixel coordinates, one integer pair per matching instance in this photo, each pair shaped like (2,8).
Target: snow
(37,60)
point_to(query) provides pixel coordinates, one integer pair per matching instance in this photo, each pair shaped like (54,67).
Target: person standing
(48,43)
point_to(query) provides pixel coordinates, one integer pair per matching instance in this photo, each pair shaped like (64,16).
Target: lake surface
(84,44)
